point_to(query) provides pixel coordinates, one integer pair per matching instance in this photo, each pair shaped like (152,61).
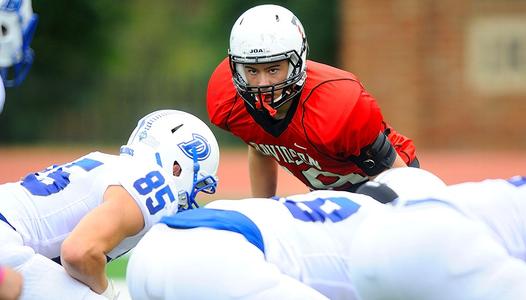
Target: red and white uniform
(335,119)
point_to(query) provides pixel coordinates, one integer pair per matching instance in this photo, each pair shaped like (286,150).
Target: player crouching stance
(337,245)
(259,248)
(96,208)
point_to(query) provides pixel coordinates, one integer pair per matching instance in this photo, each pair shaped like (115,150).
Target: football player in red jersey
(314,120)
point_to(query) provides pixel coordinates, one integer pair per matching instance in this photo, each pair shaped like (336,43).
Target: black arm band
(377,157)
(378,191)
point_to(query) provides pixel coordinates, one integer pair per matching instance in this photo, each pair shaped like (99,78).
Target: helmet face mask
(254,93)
(266,34)
(183,146)
(17,24)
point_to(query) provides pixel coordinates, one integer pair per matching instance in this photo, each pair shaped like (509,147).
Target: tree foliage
(100,65)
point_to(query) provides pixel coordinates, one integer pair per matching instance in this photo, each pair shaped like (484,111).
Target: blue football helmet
(17,26)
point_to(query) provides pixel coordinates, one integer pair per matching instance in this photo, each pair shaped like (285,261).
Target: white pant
(432,252)
(43,278)
(204,263)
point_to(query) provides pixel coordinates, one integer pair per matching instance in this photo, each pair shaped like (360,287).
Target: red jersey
(335,118)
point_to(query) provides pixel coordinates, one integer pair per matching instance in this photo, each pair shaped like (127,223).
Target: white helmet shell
(166,137)
(264,34)
(410,183)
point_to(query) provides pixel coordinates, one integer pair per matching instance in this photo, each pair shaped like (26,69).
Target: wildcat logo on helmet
(199,143)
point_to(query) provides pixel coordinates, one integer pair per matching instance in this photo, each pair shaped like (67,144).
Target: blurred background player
(499,205)
(18,23)
(324,245)
(96,208)
(316,121)
(10,283)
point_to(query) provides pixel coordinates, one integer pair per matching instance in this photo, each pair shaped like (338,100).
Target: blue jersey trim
(2,218)
(517,181)
(217,219)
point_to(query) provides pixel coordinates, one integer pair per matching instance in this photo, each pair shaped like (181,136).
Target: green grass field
(117,268)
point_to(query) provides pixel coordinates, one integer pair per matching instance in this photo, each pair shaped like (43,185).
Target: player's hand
(11,284)
(111,292)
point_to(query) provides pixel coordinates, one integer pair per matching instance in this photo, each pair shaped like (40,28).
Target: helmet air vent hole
(176,169)
(4,29)
(176,128)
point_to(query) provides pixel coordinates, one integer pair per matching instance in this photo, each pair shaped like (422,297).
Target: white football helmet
(264,34)
(410,183)
(17,25)
(175,138)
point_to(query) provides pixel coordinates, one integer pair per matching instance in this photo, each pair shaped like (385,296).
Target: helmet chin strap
(206,184)
(191,201)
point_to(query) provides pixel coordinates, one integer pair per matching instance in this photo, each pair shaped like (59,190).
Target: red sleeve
(403,145)
(220,95)
(366,123)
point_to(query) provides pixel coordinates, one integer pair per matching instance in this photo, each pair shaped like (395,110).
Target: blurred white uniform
(500,204)
(465,242)
(44,208)
(293,248)
(422,249)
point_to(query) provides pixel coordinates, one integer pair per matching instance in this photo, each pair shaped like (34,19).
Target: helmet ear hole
(177,169)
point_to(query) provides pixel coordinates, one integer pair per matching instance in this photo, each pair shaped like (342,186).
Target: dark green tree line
(100,65)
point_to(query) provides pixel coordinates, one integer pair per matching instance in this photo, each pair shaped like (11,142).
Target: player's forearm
(89,267)
(263,173)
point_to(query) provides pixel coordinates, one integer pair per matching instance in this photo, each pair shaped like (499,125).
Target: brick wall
(449,73)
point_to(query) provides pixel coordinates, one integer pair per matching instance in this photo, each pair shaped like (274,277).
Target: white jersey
(342,245)
(498,203)
(466,241)
(308,236)
(45,207)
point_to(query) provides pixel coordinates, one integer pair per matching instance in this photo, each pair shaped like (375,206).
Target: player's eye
(251,71)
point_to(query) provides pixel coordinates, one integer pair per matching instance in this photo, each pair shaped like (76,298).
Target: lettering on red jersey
(312,173)
(288,155)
